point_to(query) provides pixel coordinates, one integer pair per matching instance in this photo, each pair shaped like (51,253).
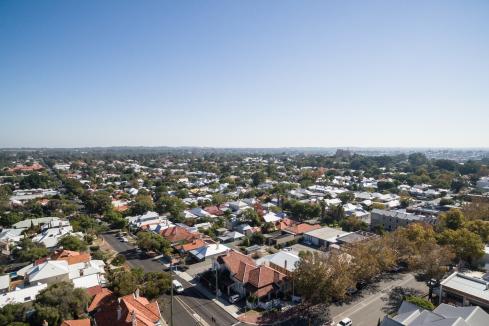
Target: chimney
(217,247)
(285,264)
(136,293)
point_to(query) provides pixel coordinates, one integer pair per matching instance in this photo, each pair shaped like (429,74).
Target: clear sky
(244,73)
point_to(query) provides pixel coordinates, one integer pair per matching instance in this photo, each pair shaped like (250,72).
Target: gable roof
(178,233)
(237,263)
(48,269)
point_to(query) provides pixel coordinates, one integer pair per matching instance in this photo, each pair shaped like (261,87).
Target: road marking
(191,312)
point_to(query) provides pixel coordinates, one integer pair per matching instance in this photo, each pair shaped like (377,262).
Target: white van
(177,286)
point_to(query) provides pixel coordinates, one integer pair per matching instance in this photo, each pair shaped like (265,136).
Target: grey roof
(443,315)
(35,221)
(475,287)
(355,237)
(401,215)
(326,233)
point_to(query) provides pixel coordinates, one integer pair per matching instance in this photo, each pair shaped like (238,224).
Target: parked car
(234,298)
(345,322)
(177,286)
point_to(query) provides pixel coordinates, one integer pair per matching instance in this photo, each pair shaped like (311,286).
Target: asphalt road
(190,307)
(367,307)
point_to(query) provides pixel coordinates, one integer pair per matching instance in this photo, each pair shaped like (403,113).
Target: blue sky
(244,73)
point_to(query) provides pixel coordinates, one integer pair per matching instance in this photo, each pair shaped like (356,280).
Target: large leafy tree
(58,302)
(170,204)
(72,242)
(153,242)
(467,245)
(28,251)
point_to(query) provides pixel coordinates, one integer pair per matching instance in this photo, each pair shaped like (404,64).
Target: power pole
(171,293)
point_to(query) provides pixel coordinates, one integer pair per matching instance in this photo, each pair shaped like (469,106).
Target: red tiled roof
(195,244)
(302,228)
(133,310)
(263,276)
(92,291)
(72,257)
(79,322)
(177,234)
(284,223)
(214,210)
(102,298)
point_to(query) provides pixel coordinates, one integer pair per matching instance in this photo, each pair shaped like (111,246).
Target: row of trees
(326,277)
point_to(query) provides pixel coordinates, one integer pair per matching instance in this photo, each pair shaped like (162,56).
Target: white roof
(209,250)
(4,282)
(476,287)
(88,281)
(35,221)
(283,259)
(47,269)
(327,234)
(21,295)
(271,217)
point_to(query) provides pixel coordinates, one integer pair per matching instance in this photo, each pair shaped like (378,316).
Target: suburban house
(247,278)
(9,237)
(443,315)
(323,237)
(210,250)
(391,220)
(177,234)
(21,294)
(299,229)
(67,266)
(131,309)
(230,236)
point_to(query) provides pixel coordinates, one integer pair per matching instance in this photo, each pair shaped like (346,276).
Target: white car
(345,322)
(177,286)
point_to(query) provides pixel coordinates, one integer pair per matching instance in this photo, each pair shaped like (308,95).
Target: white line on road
(191,312)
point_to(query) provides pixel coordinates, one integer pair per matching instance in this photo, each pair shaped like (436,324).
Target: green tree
(453,219)
(172,205)
(153,242)
(467,246)
(12,313)
(60,301)
(420,302)
(346,197)
(353,223)
(72,242)
(155,284)
(28,251)
(97,202)
(142,204)
(479,227)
